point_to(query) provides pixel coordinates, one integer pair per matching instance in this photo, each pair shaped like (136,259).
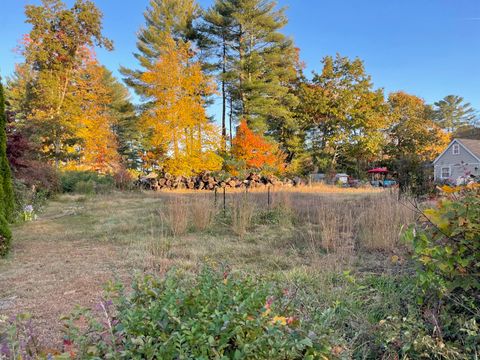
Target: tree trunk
(224,97)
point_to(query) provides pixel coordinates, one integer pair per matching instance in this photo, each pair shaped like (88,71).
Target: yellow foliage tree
(178,129)
(413,131)
(97,146)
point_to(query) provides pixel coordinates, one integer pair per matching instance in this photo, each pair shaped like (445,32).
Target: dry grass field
(80,242)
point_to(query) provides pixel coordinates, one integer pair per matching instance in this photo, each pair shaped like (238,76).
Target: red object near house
(380,170)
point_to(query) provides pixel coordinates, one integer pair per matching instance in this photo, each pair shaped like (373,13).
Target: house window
(456,149)
(445,172)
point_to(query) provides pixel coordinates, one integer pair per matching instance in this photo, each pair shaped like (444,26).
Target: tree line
(66,111)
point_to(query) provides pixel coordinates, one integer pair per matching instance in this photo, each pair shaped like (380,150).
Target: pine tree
(126,128)
(174,17)
(6,189)
(255,64)
(452,113)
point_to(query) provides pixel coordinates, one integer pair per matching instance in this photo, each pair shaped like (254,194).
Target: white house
(459,163)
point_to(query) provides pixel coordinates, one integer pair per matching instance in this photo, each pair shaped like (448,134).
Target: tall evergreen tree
(130,145)
(256,65)
(217,39)
(452,113)
(264,63)
(162,17)
(6,183)
(6,189)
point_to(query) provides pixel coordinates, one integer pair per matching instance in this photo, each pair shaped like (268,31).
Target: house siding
(459,165)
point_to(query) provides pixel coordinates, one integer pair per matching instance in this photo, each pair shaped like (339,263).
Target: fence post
(224,199)
(215,201)
(268,197)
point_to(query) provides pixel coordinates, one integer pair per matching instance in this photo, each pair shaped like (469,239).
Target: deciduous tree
(95,121)
(255,151)
(342,114)
(54,50)
(180,134)
(413,131)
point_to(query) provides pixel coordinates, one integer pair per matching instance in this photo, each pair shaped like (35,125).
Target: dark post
(268,197)
(215,201)
(224,199)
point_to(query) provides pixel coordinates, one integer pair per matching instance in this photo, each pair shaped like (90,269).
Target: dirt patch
(48,277)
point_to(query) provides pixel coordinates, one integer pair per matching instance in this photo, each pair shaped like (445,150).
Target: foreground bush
(447,244)
(215,315)
(446,247)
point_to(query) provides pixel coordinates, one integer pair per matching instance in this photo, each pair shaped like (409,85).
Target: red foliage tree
(21,156)
(256,151)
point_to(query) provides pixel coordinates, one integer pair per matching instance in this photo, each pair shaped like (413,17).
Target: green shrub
(215,315)
(447,244)
(28,198)
(446,248)
(84,187)
(5,236)
(86,182)
(7,200)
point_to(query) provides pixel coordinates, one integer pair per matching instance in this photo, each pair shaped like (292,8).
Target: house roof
(472,146)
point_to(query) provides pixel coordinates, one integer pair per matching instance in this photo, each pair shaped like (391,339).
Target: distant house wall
(459,165)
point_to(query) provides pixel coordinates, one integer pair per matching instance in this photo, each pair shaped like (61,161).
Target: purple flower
(28,208)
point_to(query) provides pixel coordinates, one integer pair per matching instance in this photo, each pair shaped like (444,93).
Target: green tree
(172,17)
(264,64)
(6,189)
(216,39)
(452,113)
(256,66)
(55,48)
(130,146)
(343,116)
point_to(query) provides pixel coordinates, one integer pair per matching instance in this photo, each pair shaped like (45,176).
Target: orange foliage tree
(176,125)
(95,121)
(255,151)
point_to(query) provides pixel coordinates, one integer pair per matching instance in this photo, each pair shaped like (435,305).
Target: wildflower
(337,350)
(267,306)
(279,319)
(291,320)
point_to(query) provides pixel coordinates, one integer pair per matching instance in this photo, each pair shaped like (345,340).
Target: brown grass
(203,212)
(177,213)
(242,212)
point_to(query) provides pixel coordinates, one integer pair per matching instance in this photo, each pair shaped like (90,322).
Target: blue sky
(430,48)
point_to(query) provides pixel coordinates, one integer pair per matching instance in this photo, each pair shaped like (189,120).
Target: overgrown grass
(304,240)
